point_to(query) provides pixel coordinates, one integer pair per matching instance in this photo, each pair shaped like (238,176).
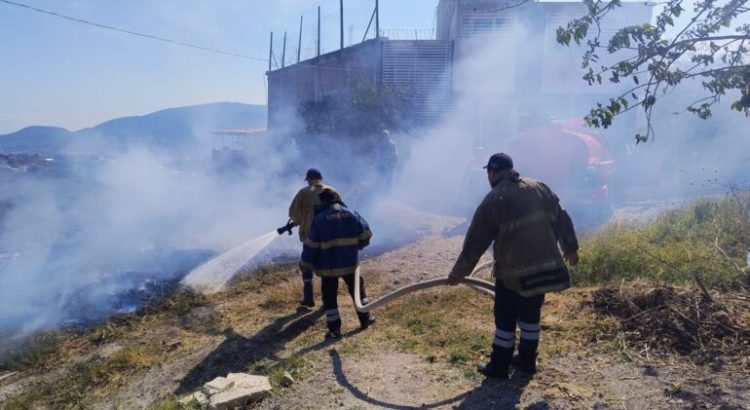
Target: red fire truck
(574,161)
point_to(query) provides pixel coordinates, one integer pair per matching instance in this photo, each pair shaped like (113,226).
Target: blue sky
(57,72)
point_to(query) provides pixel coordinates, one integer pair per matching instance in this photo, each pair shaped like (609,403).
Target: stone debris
(287,380)
(217,385)
(234,390)
(197,397)
(234,398)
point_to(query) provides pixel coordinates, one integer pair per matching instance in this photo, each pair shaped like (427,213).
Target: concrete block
(237,397)
(217,385)
(244,380)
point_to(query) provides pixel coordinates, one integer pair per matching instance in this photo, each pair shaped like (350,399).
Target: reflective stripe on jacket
(525,220)
(302,209)
(336,236)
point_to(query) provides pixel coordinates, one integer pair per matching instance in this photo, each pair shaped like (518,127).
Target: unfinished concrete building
(421,66)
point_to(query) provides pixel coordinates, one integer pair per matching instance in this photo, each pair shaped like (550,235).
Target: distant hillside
(30,139)
(173,129)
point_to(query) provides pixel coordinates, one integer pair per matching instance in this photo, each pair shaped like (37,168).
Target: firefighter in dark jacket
(302,212)
(526,222)
(331,250)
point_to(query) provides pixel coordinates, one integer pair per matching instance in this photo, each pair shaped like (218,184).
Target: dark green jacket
(525,220)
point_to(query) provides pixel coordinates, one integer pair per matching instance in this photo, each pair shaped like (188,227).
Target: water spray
(214,274)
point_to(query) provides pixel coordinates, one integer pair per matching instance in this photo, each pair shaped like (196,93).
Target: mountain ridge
(173,128)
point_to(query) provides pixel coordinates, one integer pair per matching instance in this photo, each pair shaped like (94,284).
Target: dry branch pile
(684,321)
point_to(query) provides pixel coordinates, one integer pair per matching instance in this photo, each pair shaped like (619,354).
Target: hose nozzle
(287,228)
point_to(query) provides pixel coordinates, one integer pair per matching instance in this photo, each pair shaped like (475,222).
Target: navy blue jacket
(336,236)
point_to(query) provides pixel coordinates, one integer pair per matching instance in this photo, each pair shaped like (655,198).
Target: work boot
(366,321)
(499,363)
(526,366)
(307,303)
(333,334)
(525,362)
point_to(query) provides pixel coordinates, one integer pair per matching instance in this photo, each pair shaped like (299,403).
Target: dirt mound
(684,321)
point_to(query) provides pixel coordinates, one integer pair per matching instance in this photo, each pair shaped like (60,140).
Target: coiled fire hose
(475,283)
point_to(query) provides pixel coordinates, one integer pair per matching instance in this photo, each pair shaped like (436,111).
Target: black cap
(313,174)
(499,162)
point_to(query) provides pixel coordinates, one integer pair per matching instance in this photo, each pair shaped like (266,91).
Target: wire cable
(120,30)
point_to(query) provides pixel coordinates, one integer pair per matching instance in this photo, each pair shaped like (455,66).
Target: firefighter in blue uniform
(331,250)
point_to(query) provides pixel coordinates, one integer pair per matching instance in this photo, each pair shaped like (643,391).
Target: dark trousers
(307,286)
(511,309)
(330,288)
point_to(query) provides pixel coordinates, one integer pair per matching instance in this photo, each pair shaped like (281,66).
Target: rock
(287,380)
(197,397)
(236,390)
(249,381)
(237,397)
(217,385)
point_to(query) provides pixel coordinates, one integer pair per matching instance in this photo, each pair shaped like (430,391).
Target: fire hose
(480,285)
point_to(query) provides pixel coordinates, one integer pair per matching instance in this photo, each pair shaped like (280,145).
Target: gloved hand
(572,258)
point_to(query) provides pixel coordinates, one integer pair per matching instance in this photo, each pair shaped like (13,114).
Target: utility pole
(270,53)
(299,43)
(318,31)
(377,18)
(283,53)
(341,28)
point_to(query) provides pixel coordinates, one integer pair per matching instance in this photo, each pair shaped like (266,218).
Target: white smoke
(72,243)
(443,171)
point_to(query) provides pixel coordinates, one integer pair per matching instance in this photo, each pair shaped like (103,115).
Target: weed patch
(705,242)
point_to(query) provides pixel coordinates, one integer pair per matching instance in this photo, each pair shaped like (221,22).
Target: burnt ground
(421,354)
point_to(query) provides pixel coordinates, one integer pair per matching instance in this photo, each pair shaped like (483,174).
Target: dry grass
(706,241)
(707,326)
(86,380)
